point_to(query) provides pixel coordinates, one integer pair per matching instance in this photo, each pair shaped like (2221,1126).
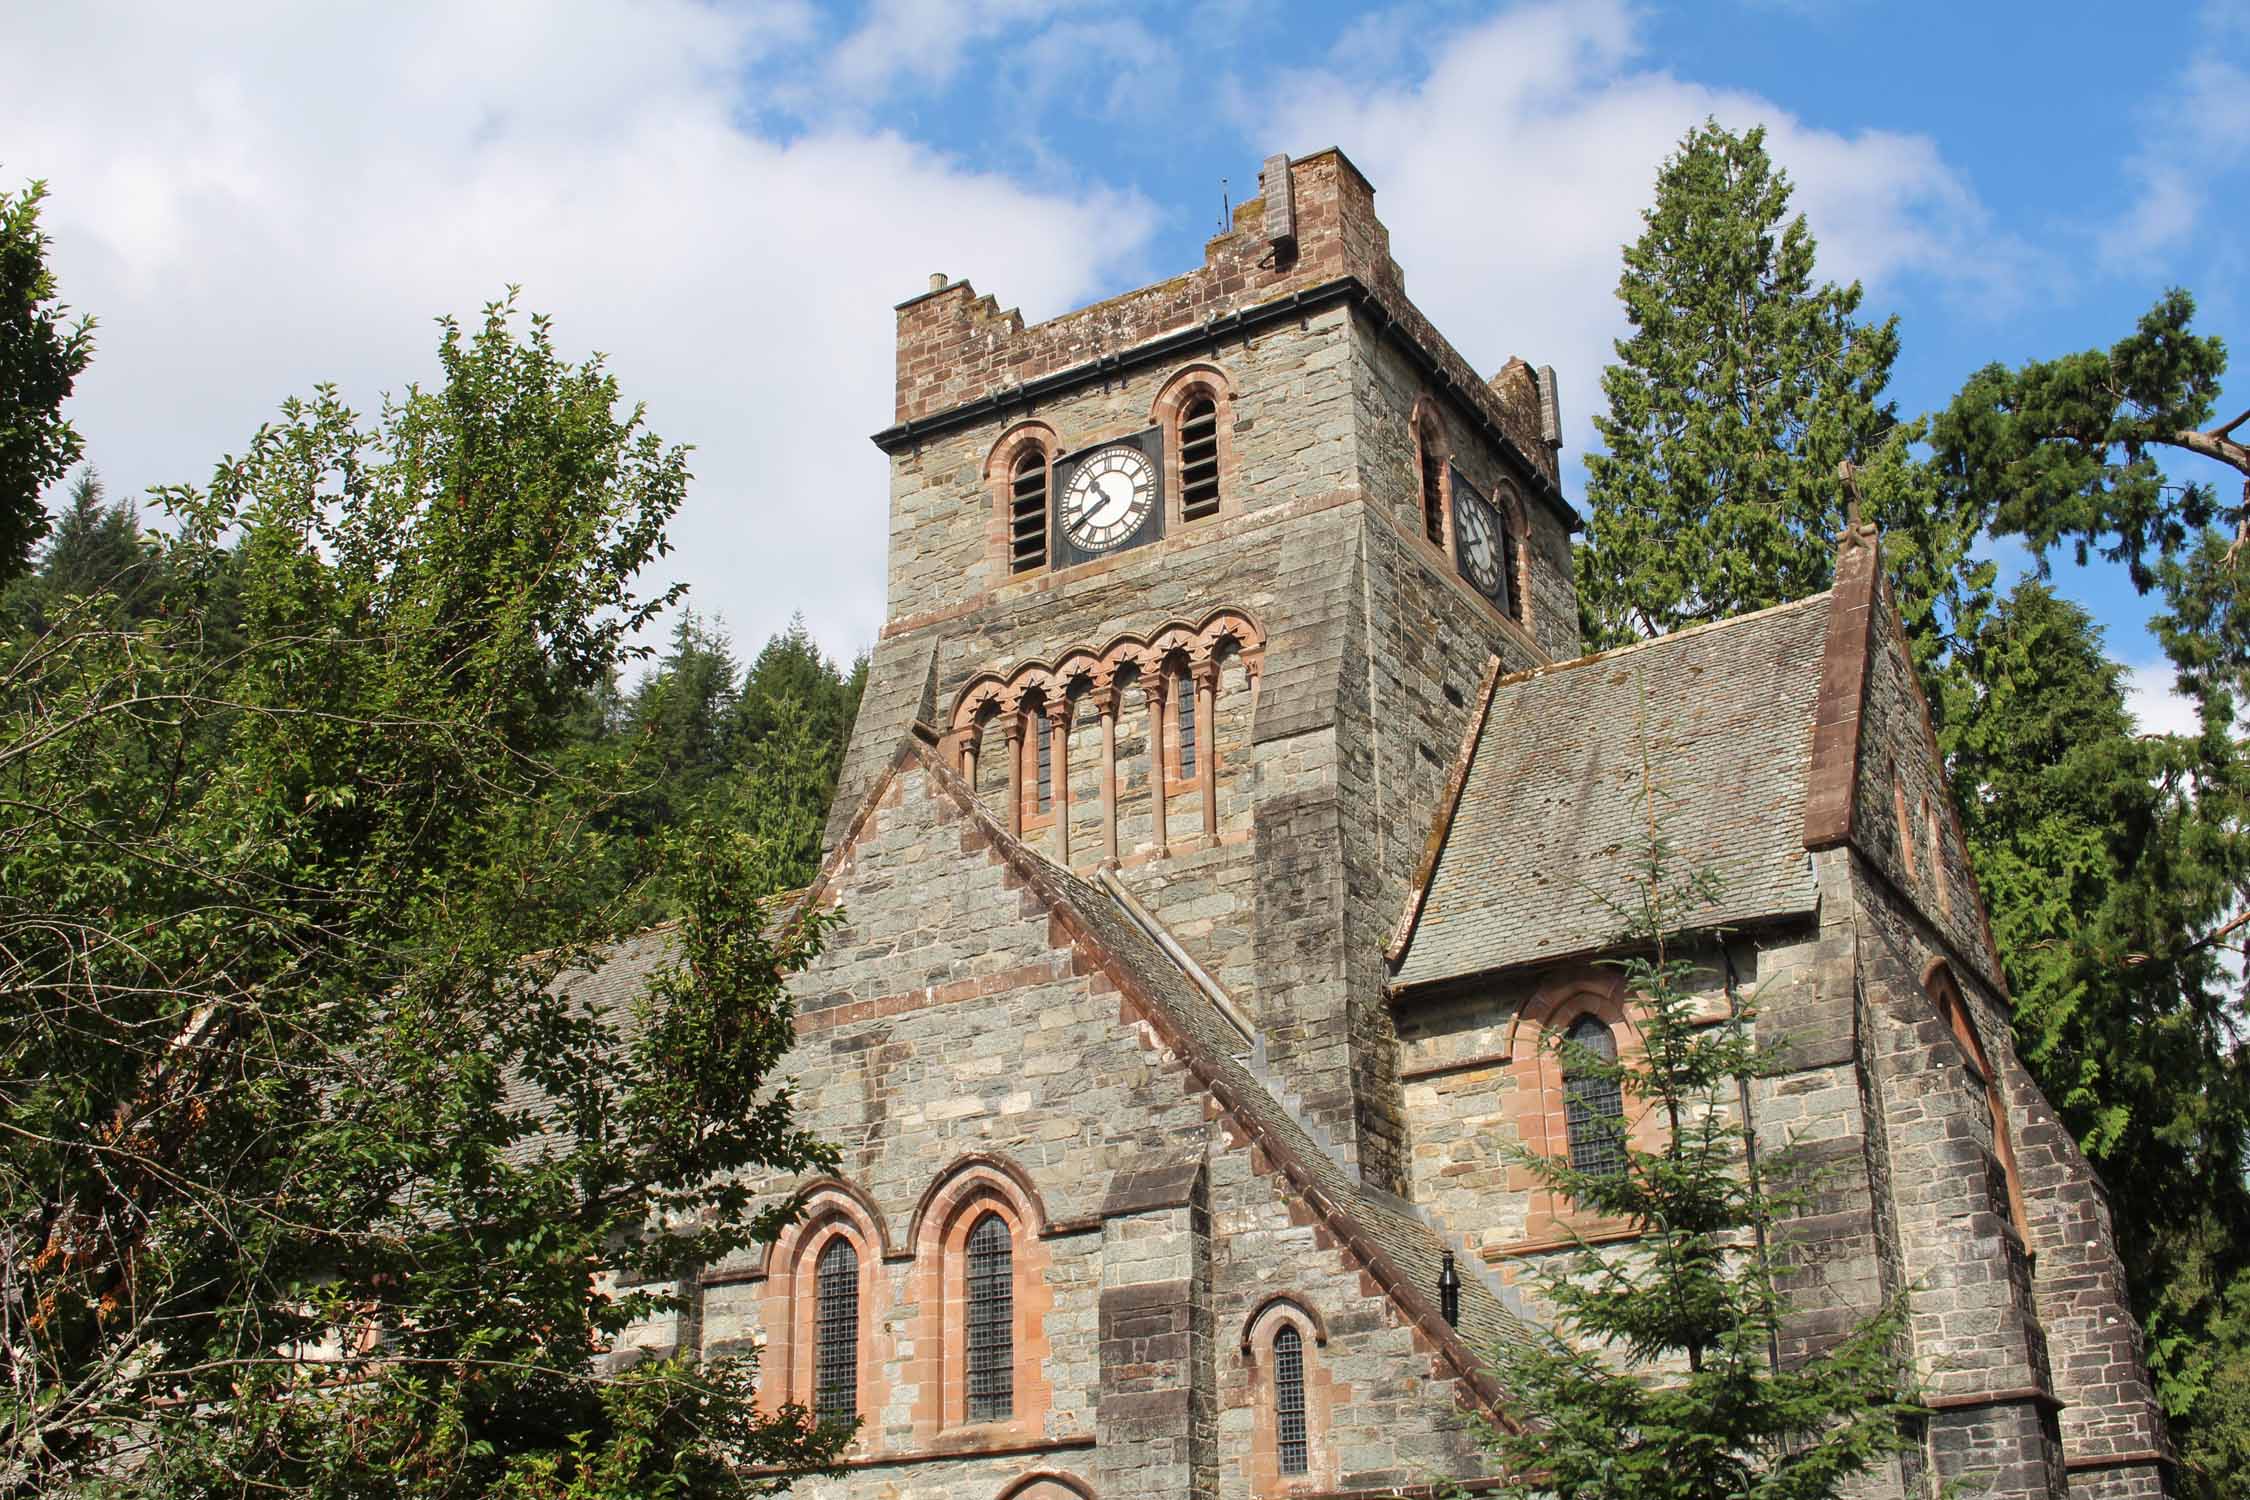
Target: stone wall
(958,1048)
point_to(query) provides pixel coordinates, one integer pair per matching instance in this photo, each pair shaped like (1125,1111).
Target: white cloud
(2192,141)
(258,197)
(2153,698)
(1511,174)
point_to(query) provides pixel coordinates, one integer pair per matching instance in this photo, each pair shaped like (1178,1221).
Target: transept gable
(1395,1253)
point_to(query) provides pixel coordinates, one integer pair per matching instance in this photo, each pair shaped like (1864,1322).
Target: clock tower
(1198,585)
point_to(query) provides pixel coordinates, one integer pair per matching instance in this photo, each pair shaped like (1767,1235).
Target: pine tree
(1743,385)
(1657,1379)
(40,360)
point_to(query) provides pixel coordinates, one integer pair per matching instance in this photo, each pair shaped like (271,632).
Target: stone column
(1106,696)
(1011,725)
(1152,687)
(1207,742)
(1058,728)
(969,738)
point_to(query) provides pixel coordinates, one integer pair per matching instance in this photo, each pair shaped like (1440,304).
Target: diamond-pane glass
(992,1353)
(1594,1108)
(836,1333)
(1289,1399)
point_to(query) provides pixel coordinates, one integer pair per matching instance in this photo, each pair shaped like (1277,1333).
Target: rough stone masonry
(1207,899)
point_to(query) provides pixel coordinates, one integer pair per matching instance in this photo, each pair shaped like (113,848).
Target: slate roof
(1412,1247)
(1550,818)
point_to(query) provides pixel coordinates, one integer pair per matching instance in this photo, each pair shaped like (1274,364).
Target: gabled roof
(1550,822)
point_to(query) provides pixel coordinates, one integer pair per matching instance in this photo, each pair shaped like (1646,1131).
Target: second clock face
(1108,498)
(1479,545)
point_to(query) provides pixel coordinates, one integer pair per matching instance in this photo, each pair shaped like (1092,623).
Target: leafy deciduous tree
(40,359)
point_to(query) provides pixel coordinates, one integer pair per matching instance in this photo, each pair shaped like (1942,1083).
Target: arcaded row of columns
(1108,696)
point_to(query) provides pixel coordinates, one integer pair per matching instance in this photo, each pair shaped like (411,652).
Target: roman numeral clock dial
(1108,498)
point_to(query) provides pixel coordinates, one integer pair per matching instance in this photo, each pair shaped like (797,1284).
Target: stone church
(1228,825)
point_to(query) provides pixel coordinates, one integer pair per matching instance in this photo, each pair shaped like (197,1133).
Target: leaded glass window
(1593,1105)
(836,1333)
(992,1353)
(1046,762)
(1289,1399)
(1185,688)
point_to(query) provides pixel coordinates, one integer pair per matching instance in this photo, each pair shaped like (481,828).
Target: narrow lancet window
(991,1322)
(1433,490)
(1183,693)
(1291,1445)
(836,1333)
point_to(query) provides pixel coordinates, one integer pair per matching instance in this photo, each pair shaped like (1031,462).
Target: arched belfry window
(991,1322)
(1027,511)
(836,1333)
(1433,486)
(1513,603)
(1292,1447)
(1593,1102)
(1199,457)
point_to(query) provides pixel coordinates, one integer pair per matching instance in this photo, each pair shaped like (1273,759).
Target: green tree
(41,358)
(95,547)
(1742,387)
(1656,1380)
(2117,867)
(310,1167)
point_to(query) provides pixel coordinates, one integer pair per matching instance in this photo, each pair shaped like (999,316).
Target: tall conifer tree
(1743,385)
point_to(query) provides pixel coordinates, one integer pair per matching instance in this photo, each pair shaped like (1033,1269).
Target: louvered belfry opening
(1289,1400)
(1594,1107)
(1433,491)
(1027,512)
(1199,459)
(836,1333)
(992,1354)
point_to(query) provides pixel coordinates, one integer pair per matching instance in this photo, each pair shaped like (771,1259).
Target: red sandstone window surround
(1292,1397)
(1540,1106)
(822,1307)
(1195,410)
(1431,452)
(1945,992)
(1515,551)
(1018,472)
(980,1275)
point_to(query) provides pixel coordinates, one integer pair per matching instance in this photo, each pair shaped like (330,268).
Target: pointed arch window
(1593,1102)
(1027,511)
(991,1321)
(836,1333)
(1292,1447)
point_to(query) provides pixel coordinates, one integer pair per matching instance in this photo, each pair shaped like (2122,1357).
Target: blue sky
(728,198)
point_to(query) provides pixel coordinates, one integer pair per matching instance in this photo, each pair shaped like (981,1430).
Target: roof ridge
(1546,669)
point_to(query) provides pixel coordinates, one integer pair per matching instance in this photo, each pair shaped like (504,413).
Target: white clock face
(1108,497)
(1480,549)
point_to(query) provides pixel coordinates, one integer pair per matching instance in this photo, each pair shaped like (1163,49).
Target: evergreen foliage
(1657,1380)
(1743,385)
(282,1079)
(2113,864)
(40,360)
(2116,865)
